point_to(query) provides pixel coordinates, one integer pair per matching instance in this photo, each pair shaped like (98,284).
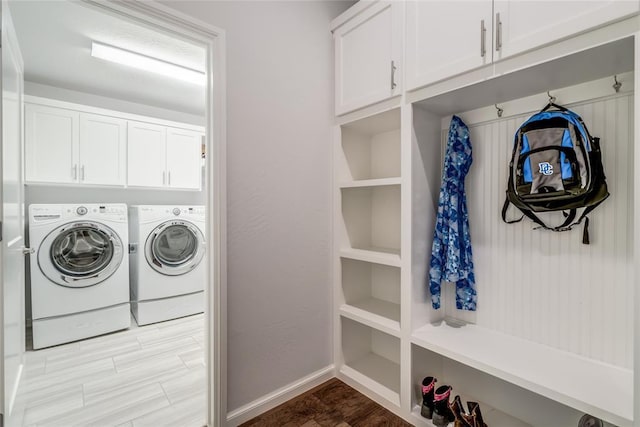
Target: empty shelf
(380,375)
(376,313)
(378,255)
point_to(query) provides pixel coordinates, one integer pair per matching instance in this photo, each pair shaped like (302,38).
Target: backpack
(556,166)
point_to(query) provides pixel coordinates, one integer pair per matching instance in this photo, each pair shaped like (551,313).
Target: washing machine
(79,271)
(167,262)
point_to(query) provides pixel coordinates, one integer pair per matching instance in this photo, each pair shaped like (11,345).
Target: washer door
(80,254)
(174,247)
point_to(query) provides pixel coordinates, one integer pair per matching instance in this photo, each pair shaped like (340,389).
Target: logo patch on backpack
(546,168)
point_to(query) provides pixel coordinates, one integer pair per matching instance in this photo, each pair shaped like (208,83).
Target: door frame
(213,39)
(11,44)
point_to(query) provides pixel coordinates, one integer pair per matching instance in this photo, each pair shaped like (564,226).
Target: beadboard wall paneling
(544,286)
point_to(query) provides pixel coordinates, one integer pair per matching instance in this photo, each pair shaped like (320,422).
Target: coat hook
(552,99)
(500,110)
(617,85)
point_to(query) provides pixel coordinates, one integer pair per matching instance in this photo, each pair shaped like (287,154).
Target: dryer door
(175,247)
(80,254)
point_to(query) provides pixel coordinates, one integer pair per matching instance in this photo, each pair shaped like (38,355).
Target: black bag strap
(585,230)
(505,207)
(566,225)
(554,105)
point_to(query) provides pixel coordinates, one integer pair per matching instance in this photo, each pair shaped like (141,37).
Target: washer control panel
(81,210)
(176,211)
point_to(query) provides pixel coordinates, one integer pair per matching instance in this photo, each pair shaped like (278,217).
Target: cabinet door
(146,155)
(184,158)
(102,150)
(368,58)
(524,25)
(51,144)
(445,38)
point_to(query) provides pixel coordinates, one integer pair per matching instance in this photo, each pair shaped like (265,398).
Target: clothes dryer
(79,271)
(167,262)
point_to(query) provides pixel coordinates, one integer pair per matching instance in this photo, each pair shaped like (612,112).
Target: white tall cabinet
(535,353)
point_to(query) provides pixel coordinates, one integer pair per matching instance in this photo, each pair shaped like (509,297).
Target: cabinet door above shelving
(524,25)
(368,58)
(445,38)
(146,155)
(102,149)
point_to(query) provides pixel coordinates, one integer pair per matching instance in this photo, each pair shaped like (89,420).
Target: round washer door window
(80,254)
(175,248)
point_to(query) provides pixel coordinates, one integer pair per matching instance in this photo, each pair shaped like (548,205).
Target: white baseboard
(279,396)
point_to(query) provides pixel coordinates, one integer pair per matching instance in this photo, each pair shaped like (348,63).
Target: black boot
(442,414)
(428,386)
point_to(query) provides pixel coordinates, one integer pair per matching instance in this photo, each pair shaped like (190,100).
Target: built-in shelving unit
(553,335)
(368,259)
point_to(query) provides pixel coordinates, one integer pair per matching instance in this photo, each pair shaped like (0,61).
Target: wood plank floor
(145,376)
(330,404)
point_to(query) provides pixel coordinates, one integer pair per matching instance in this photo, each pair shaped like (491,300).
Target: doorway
(43,378)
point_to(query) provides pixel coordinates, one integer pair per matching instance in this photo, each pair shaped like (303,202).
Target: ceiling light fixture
(147,63)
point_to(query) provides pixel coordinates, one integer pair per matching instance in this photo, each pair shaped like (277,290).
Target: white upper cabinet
(184,160)
(51,144)
(368,57)
(524,25)
(103,145)
(445,38)
(147,148)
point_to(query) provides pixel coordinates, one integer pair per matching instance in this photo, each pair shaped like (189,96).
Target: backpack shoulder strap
(533,217)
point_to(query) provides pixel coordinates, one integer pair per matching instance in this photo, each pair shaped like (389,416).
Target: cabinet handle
(498,33)
(74,172)
(169,178)
(164,181)
(82,173)
(393,75)
(483,42)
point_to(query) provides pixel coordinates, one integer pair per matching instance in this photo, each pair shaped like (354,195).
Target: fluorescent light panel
(147,63)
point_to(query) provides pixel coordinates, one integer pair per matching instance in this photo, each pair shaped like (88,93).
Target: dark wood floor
(330,404)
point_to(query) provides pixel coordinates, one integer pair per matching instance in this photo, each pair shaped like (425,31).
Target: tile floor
(145,376)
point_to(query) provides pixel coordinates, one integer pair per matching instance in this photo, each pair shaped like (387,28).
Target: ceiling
(55,39)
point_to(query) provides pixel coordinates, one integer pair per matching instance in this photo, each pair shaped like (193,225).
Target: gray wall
(46,91)
(279,118)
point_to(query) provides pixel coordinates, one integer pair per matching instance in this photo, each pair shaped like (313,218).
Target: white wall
(279,117)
